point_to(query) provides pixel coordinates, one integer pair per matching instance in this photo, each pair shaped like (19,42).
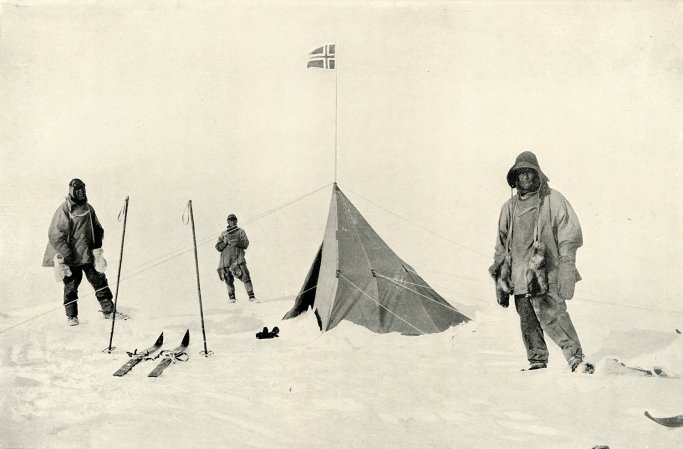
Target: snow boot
(119,315)
(583,367)
(536,365)
(72,321)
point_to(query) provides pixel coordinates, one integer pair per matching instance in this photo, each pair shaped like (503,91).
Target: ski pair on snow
(168,356)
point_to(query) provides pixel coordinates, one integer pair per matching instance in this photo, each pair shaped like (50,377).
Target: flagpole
(336,69)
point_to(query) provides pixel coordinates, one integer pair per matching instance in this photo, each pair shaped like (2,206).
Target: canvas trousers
(98,282)
(246,278)
(547,314)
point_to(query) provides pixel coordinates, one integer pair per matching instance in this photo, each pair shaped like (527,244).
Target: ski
(672,421)
(178,354)
(137,357)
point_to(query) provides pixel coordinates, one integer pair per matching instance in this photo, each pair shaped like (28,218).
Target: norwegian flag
(322,58)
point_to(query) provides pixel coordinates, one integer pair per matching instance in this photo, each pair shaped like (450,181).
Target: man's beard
(533,187)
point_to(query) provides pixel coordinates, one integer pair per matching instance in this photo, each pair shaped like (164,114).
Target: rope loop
(175,357)
(122,212)
(186,213)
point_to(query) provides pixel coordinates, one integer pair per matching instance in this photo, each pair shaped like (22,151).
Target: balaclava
(77,191)
(232,227)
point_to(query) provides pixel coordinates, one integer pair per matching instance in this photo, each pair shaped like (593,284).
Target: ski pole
(206,352)
(124,211)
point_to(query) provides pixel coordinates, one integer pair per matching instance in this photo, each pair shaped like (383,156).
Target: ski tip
(672,421)
(186,338)
(160,340)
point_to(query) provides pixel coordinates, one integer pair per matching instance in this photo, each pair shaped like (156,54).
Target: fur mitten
(536,276)
(236,270)
(501,273)
(100,261)
(61,269)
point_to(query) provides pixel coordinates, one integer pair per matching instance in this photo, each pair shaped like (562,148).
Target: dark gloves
(265,334)
(566,279)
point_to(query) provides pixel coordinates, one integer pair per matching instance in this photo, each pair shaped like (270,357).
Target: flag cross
(322,57)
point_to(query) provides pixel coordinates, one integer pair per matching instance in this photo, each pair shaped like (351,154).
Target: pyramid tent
(355,276)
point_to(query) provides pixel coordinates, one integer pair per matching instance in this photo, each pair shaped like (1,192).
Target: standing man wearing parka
(232,243)
(538,236)
(75,247)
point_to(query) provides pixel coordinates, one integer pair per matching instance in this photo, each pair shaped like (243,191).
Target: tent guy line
(167,257)
(479,253)
(171,255)
(353,251)
(341,275)
(396,281)
(179,252)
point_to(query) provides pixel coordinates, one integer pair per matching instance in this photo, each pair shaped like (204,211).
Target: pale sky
(212,101)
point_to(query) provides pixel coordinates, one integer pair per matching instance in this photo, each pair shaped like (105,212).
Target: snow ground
(348,388)
(211,101)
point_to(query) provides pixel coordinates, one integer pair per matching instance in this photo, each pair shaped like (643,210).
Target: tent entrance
(306,297)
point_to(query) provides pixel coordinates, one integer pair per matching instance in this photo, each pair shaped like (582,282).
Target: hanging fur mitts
(100,261)
(536,275)
(501,272)
(61,269)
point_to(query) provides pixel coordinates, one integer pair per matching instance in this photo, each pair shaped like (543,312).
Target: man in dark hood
(75,247)
(538,236)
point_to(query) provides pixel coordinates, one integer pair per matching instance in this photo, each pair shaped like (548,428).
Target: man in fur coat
(534,261)
(232,243)
(75,247)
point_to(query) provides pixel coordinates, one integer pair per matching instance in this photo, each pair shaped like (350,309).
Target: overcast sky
(430,104)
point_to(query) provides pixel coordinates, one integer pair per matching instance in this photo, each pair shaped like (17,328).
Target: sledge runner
(232,243)
(538,236)
(75,247)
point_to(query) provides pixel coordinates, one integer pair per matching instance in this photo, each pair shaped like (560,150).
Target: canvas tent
(355,276)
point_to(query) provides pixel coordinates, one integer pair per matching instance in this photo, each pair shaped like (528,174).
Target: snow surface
(211,101)
(347,388)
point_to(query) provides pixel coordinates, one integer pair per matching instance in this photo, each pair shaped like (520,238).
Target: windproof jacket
(74,232)
(232,245)
(560,230)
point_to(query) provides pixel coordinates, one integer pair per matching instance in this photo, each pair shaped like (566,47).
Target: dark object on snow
(265,334)
(672,421)
(600,446)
